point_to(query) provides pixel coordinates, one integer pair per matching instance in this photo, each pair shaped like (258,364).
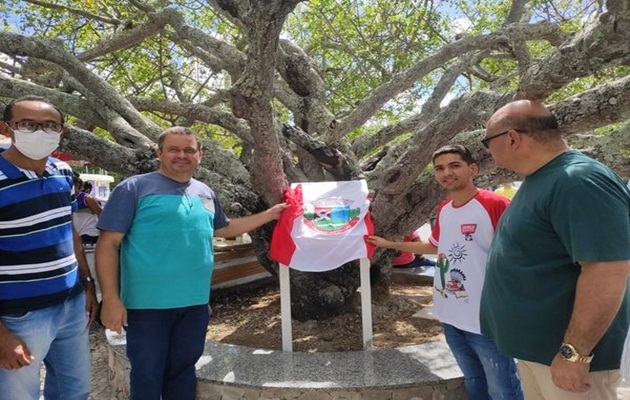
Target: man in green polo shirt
(555,294)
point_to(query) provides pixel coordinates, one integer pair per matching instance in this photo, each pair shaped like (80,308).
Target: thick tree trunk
(323,295)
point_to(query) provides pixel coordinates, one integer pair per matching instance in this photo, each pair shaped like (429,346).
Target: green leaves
(358,45)
(354,46)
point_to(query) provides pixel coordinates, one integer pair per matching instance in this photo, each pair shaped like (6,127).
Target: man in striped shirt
(46,292)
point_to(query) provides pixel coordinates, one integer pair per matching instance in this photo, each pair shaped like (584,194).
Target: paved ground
(100,373)
(100,370)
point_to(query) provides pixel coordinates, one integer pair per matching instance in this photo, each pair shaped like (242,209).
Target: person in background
(409,260)
(555,295)
(46,292)
(88,210)
(507,189)
(461,237)
(154,260)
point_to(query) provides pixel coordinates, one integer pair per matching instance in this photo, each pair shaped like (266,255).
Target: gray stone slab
(356,369)
(373,369)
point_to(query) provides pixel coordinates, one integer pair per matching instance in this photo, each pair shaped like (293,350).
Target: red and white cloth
(324,226)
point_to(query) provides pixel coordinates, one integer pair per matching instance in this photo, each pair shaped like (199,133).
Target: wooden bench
(235,265)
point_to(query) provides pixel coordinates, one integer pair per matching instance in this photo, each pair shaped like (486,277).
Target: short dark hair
(463,152)
(8,109)
(87,187)
(178,130)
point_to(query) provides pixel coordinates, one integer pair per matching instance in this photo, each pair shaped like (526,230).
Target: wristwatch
(568,352)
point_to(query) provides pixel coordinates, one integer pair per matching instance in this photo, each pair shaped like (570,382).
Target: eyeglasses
(31,126)
(189,151)
(486,141)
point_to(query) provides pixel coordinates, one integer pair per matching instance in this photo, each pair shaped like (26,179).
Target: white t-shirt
(463,235)
(85,223)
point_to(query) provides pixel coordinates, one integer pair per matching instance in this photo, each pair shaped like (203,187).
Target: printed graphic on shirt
(468,230)
(457,253)
(456,277)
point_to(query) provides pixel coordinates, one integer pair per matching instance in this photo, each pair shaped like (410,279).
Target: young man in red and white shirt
(461,238)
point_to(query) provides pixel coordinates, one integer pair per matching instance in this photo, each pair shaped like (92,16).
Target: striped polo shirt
(38,267)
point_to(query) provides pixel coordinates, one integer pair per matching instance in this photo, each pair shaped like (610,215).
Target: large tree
(288,90)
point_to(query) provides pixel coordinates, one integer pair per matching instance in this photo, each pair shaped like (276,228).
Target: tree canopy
(287,90)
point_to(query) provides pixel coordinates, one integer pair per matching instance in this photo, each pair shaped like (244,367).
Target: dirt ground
(253,319)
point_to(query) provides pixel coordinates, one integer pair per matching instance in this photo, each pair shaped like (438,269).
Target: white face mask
(36,145)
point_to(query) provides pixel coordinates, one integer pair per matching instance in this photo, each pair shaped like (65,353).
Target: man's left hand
(570,376)
(91,304)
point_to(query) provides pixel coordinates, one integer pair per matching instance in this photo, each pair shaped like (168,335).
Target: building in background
(100,185)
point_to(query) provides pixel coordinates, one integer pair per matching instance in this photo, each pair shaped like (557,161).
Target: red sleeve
(494,204)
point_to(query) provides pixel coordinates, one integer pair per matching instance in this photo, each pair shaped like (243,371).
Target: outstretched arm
(246,224)
(419,247)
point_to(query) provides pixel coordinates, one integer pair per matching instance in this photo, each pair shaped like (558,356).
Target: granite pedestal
(230,372)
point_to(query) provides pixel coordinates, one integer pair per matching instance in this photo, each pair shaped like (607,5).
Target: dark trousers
(163,347)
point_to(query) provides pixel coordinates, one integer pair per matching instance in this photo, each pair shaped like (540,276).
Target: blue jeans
(163,347)
(488,374)
(418,261)
(58,336)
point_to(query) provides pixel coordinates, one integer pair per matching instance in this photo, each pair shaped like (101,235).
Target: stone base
(230,372)
(209,391)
